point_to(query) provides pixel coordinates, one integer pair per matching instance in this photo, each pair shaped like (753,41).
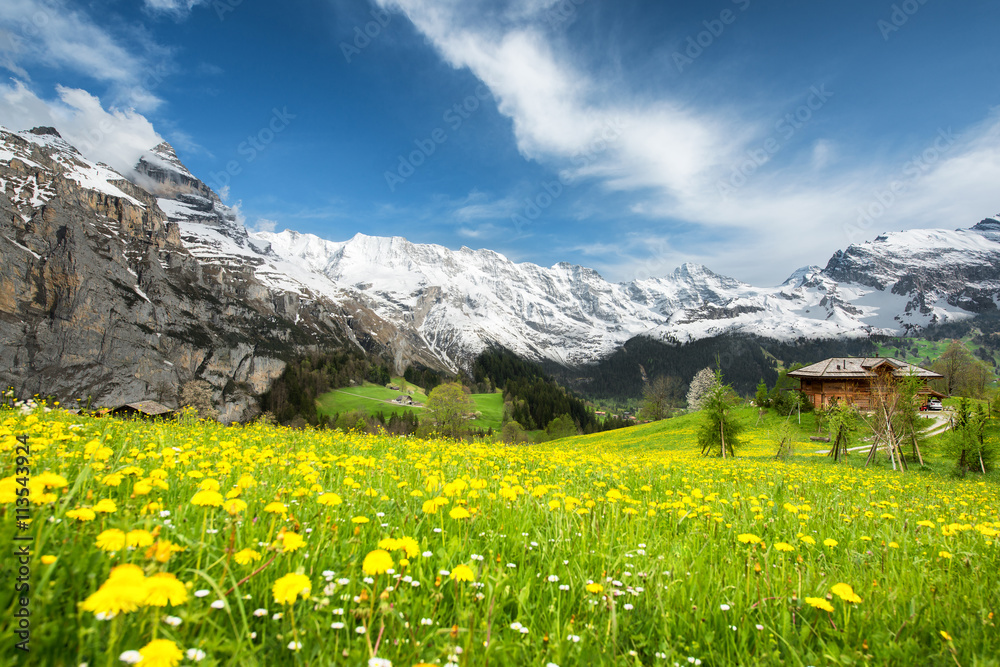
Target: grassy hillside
(491,407)
(677,438)
(262,545)
(371,398)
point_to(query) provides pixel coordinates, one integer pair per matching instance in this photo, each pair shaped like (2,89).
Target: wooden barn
(143,409)
(849,379)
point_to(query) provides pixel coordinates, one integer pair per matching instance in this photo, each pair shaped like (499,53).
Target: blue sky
(753,136)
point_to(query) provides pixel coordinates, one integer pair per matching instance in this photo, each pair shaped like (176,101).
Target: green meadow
(191,542)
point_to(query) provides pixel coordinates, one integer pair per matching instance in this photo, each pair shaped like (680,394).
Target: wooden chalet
(143,409)
(849,380)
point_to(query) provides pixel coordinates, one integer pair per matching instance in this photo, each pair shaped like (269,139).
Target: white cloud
(115,137)
(672,155)
(264,225)
(479,206)
(56,34)
(177,8)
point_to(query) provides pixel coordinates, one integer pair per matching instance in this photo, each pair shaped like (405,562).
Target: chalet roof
(151,408)
(860,367)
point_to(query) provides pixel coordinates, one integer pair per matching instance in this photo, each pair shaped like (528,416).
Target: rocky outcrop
(101,300)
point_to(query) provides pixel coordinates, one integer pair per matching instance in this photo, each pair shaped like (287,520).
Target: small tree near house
(843,420)
(968,443)
(762,399)
(720,430)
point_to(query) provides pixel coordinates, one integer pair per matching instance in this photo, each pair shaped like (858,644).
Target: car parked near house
(933,404)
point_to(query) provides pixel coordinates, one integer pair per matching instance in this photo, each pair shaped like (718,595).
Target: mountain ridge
(192,294)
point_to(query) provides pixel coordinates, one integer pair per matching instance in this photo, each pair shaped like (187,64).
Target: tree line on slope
(743,359)
(533,399)
(292,396)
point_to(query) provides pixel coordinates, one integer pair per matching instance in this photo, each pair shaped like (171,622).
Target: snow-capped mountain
(461,301)
(122,284)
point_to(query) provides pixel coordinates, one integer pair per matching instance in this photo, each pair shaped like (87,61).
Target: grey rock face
(100,298)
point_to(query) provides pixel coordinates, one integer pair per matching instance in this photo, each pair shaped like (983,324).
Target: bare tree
(197,394)
(660,397)
(843,420)
(886,403)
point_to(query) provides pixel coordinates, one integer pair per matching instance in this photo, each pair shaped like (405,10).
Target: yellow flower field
(195,543)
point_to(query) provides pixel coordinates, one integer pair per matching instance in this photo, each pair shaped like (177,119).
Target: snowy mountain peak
(801,275)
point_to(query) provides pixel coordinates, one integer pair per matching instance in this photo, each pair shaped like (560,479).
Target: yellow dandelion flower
(81,514)
(748,538)
(164,588)
(846,593)
(462,573)
(291,541)
(784,546)
(329,499)
(246,556)
(410,546)
(944,554)
(207,499)
(122,593)
(105,506)
(162,550)
(275,508)
(138,538)
(288,588)
(161,653)
(829,542)
(48,559)
(819,603)
(595,588)
(459,513)
(359,519)
(234,506)
(945,636)
(114,479)
(807,539)
(209,485)
(111,539)
(377,562)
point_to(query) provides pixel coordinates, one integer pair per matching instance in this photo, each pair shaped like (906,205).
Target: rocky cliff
(101,299)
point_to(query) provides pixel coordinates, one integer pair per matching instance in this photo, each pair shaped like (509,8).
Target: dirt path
(943,421)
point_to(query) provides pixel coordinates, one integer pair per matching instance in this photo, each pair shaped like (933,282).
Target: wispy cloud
(480,206)
(176,8)
(56,34)
(674,155)
(113,136)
